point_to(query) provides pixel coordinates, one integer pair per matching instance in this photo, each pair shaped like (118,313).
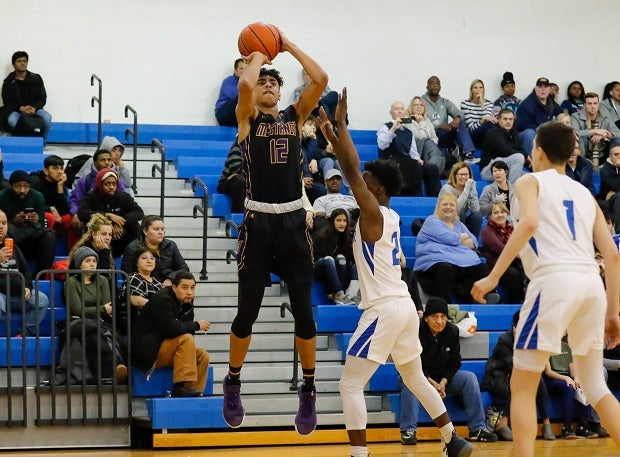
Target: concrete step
(260,342)
(277,357)
(227,314)
(283,404)
(209,289)
(219,301)
(263,327)
(221,244)
(280,373)
(284,420)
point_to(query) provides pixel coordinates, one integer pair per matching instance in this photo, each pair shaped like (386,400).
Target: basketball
(260,37)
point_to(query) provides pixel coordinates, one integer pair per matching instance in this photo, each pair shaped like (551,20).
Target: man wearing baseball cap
(323,206)
(441,363)
(536,109)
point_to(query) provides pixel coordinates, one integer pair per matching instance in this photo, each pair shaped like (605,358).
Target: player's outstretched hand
(342,107)
(483,287)
(612,332)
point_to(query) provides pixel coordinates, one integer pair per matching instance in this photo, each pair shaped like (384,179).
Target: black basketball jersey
(272,158)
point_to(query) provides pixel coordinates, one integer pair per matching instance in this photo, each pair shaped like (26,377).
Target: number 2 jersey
(378,263)
(272,158)
(566,215)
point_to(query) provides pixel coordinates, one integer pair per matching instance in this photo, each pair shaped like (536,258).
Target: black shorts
(278,243)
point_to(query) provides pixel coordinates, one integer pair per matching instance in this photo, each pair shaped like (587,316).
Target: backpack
(29,125)
(73,166)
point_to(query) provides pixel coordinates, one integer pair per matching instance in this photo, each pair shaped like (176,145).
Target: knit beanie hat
(18,176)
(434,306)
(81,253)
(103,174)
(507,78)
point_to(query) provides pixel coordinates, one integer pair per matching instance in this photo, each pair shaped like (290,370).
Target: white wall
(167,57)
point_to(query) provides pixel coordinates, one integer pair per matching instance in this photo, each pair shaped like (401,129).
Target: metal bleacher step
(208,289)
(274,356)
(227,314)
(260,342)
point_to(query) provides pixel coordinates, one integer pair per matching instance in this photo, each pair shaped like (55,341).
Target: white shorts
(572,300)
(389,327)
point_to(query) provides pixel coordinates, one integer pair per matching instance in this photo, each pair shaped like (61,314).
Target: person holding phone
(12,261)
(25,211)
(396,143)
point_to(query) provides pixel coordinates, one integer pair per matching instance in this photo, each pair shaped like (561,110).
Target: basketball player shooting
(390,322)
(557,221)
(274,235)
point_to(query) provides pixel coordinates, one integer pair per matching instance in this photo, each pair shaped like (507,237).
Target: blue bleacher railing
(157,145)
(204,210)
(134,133)
(97,99)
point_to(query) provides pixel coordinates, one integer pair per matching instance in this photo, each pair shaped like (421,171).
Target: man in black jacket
(163,336)
(441,363)
(502,143)
(23,94)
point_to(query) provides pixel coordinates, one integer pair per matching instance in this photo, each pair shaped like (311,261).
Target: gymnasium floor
(559,448)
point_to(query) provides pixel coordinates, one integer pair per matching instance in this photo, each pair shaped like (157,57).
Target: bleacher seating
(159,382)
(21,145)
(27,162)
(197,148)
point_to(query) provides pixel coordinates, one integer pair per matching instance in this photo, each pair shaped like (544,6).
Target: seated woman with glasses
(461,184)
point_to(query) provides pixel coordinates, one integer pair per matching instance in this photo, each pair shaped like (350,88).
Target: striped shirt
(473,112)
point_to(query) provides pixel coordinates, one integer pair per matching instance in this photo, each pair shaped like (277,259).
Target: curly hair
(273,73)
(94,225)
(388,174)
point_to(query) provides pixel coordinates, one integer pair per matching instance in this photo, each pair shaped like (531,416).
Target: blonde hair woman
(424,133)
(98,237)
(446,260)
(477,112)
(461,184)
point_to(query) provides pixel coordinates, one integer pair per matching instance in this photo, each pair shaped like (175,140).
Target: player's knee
(242,325)
(594,389)
(305,329)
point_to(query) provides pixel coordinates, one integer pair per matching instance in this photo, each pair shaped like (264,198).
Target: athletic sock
(234,375)
(446,432)
(359,451)
(308,383)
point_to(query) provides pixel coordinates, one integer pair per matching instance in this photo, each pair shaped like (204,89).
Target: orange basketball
(259,37)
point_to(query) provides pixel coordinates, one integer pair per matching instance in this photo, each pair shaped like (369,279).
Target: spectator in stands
(440,110)
(396,143)
(328,100)
(116,148)
(441,363)
(446,262)
(461,184)
(51,183)
(608,197)
(333,253)
(496,381)
(228,96)
(507,99)
(313,186)
(169,259)
(141,285)
(581,169)
(559,378)
(334,198)
(610,106)
(25,210)
(502,143)
(536,109)
(12,260)
(98,237)
(116,205)
(232,180)
(477,112)
(425,136)
(23,94)
(494,238)
(87,295)
(102,158)
(575,98)
(163,336)
(594,130)
(554,92)
(499,190)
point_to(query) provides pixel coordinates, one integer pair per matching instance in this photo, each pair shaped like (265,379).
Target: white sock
(446,432)
(359,451)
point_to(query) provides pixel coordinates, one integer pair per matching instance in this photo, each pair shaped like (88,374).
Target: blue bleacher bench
(187,166)
(196,148)
(27,162)
(195,412)
(21,145)
(160,382)
(47,347)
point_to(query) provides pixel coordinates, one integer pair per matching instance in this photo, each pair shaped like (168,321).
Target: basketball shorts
(572,300)
(388,327)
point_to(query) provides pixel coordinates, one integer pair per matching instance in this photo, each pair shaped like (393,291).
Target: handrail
(295,379)
(98,100)
(156,144)
(204,210)
(134,134)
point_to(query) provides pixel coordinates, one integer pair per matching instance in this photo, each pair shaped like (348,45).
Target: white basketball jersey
(566,214)
(378,263)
